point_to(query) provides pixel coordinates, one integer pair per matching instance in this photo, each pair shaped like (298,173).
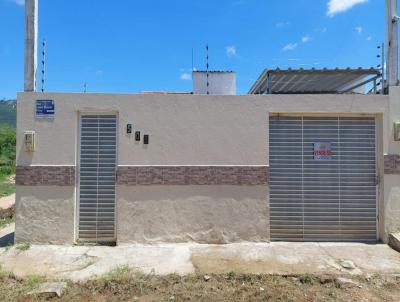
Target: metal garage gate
(97,178)
(323,178)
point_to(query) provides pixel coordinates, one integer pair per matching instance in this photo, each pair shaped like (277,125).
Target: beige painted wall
(205,214)
(391,208)
(184,129)
(45,215)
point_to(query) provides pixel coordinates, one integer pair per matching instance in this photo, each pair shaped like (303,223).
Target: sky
(130,46)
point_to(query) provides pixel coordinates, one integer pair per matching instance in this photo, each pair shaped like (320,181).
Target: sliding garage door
(97,169)
(323,178)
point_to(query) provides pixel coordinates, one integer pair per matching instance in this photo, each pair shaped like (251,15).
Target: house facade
(209,169)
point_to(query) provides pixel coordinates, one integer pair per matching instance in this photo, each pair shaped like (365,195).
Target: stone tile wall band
(151,175)
(167,175)
(392,164)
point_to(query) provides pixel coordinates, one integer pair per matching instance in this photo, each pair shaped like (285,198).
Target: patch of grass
(7,150)
(307,279)
(9,246)
(120,273)
(2,273)
(5,221)
(6,217)
(6,189)
(122,284)
(23,246)
(16,289)
(7,159)
(34,280)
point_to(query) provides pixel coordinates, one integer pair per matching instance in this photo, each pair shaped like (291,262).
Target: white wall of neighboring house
(220,83)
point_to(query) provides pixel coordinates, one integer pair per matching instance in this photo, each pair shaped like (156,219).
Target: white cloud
(282,24)
(369,38)
(19,2)
(359,29)
(341,6)
(305,39)
(231,51)
(186,76)
(321,30)
(290,46)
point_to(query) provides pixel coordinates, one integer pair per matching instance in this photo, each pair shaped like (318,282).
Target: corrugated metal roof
(312,81)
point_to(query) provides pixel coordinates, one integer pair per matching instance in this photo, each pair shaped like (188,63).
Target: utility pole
(392,20)
(31,34)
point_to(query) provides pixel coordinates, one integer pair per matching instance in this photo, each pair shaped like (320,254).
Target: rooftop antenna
(207,70)
(43,64)
(192,59)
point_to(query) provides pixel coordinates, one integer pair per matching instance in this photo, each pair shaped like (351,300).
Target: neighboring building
(214,82)
(321,81)
(305,162)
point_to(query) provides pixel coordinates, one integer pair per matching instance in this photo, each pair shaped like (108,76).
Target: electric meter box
(29,141)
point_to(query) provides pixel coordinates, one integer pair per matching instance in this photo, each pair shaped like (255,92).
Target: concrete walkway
(7,202)
(81,262)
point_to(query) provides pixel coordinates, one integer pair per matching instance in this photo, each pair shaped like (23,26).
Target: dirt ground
(6,217)
(124,285)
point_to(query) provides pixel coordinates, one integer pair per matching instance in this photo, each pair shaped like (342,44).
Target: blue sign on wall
(45,108)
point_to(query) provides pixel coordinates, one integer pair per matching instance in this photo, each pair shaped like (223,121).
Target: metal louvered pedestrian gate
(332,197)
(97,170)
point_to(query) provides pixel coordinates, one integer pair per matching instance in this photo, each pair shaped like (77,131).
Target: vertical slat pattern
(323,200)
(97,178)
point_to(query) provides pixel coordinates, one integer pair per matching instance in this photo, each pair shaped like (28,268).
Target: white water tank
(220,82)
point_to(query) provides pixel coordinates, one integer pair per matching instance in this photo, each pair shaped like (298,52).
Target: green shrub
(7,150)
(23,246)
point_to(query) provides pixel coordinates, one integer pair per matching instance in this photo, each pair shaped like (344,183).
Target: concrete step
(7,202)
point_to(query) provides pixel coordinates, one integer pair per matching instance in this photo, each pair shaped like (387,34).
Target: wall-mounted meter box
(397,131)
(29,141)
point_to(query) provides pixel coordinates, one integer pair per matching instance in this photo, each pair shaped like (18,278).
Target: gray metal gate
(97,169)
(333,198)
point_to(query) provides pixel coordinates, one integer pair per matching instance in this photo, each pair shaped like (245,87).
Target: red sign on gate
(322,151)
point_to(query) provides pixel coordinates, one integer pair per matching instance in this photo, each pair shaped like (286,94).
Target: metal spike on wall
(207,70)
(381,66)
(192,59)
(43,64)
